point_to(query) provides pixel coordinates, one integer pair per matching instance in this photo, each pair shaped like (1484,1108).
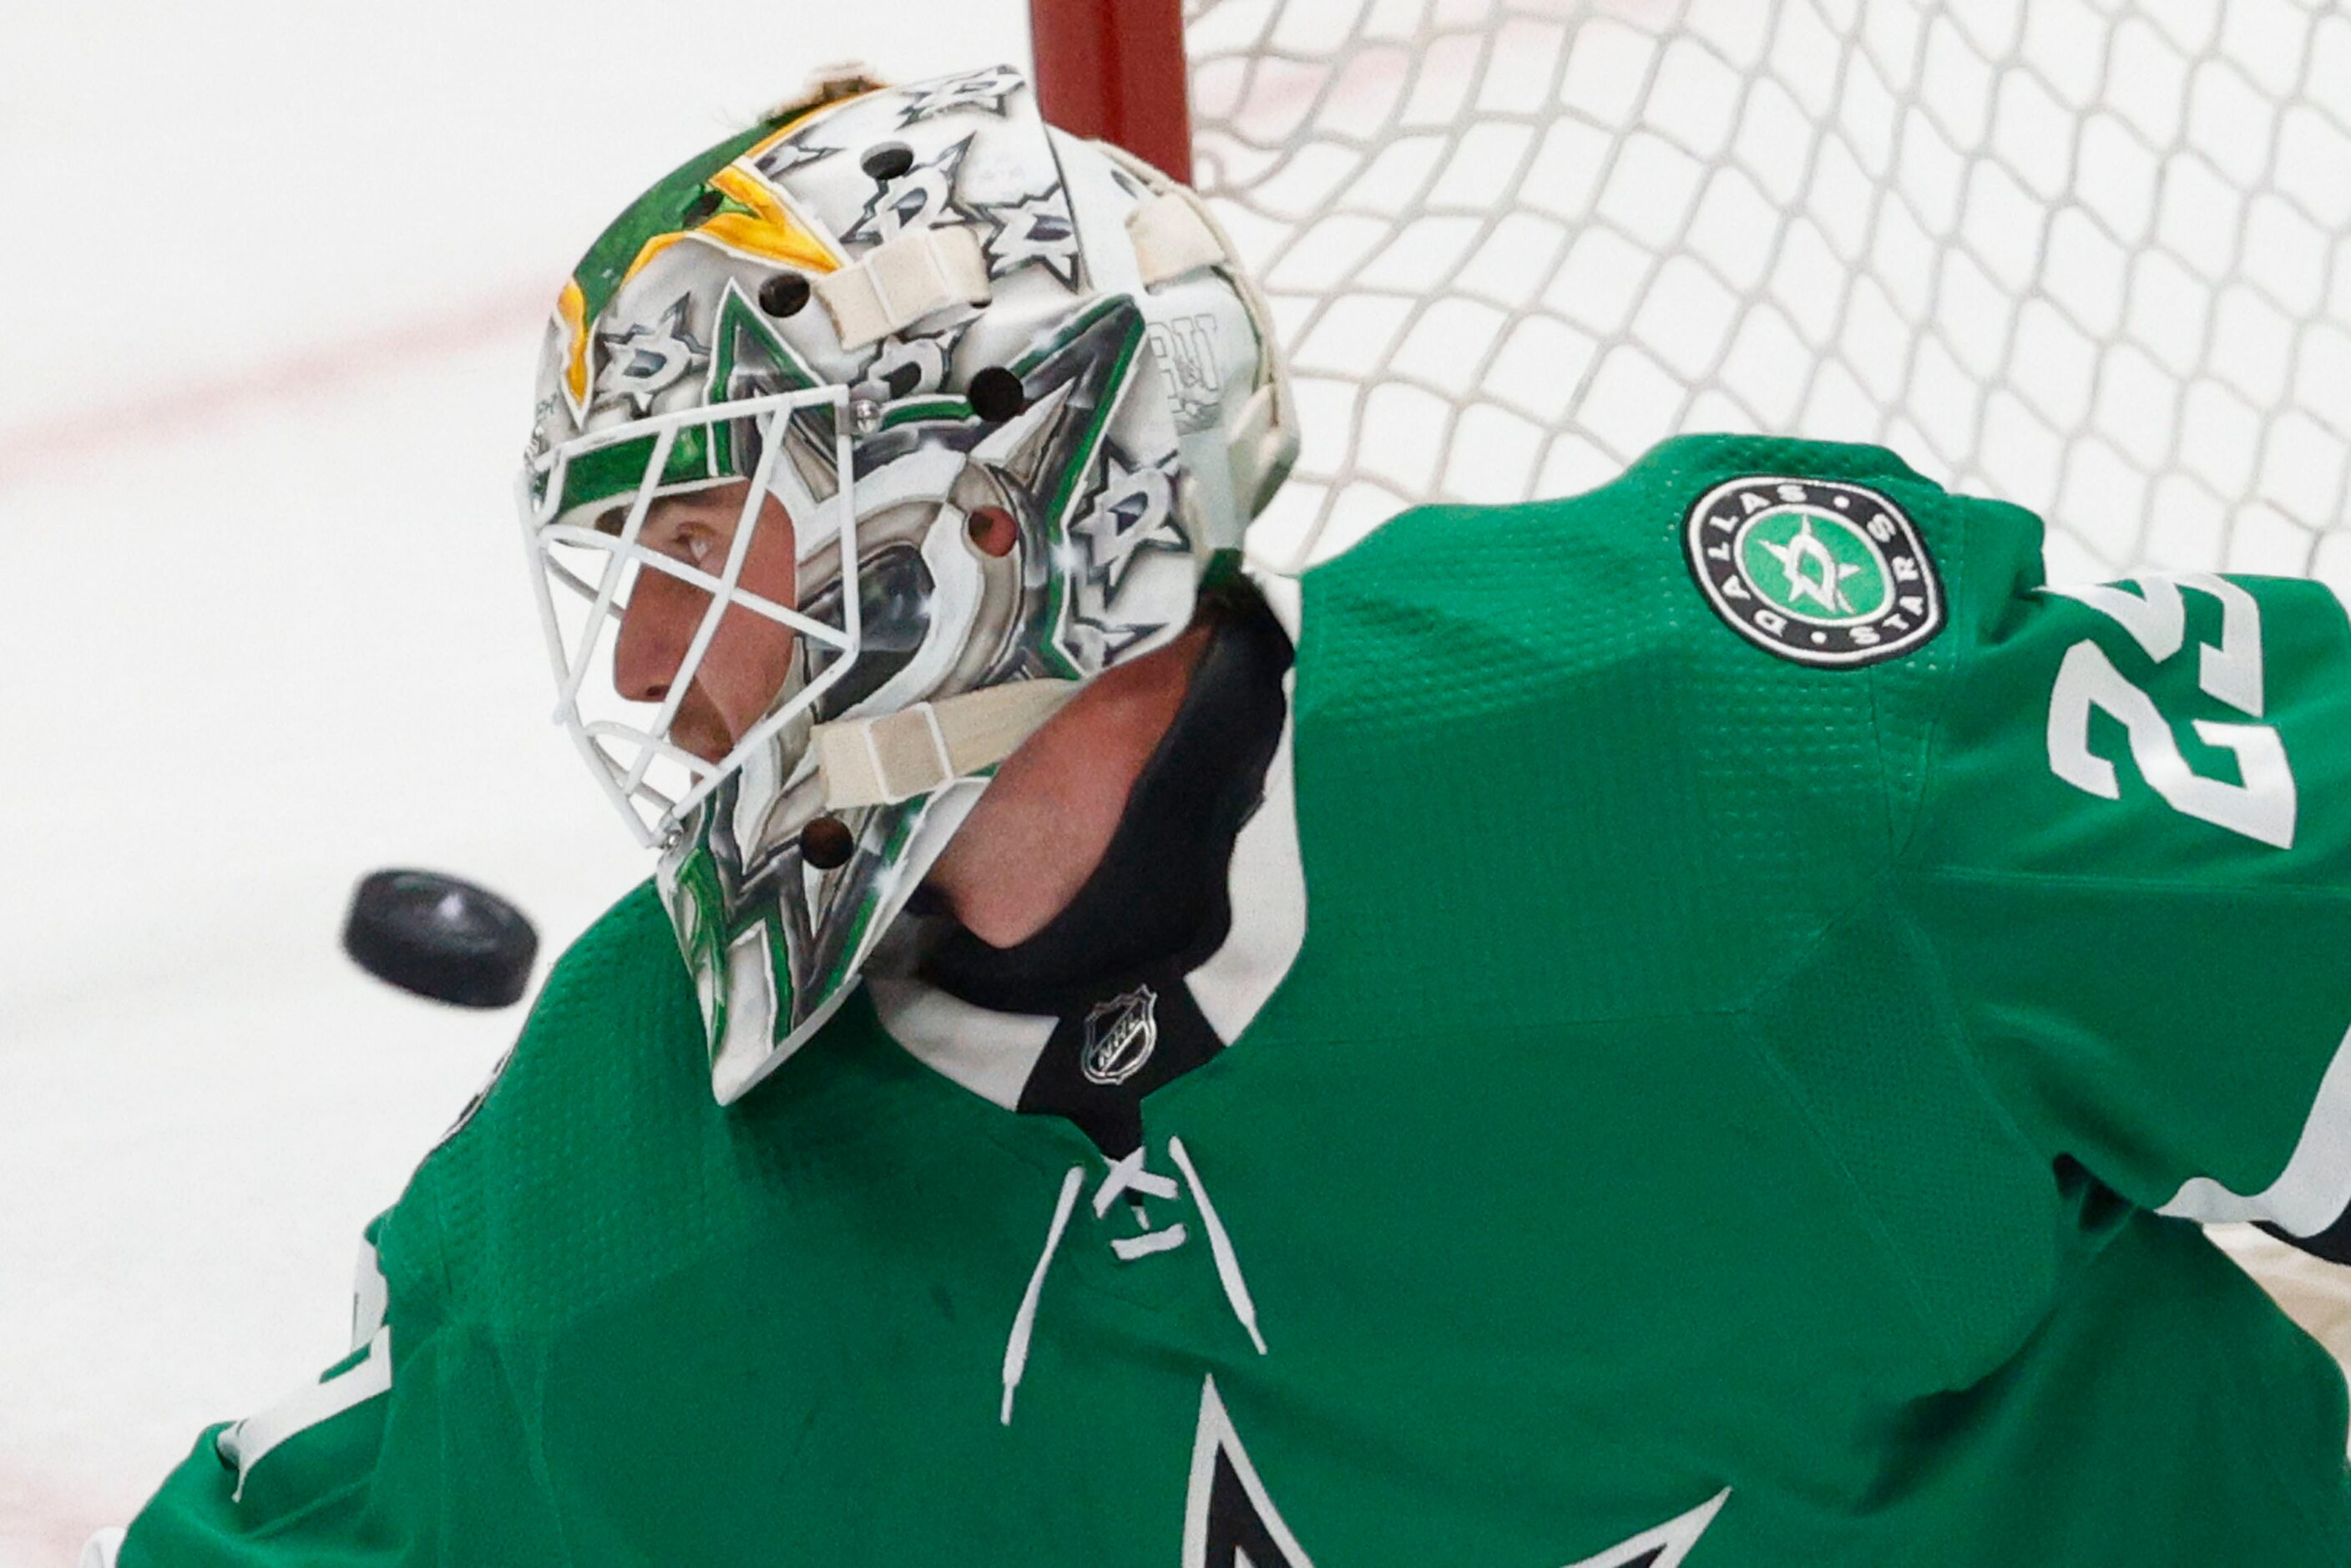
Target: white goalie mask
(861,441)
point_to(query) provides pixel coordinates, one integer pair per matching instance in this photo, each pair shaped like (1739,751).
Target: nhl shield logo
(1817,572)
(1120,1037)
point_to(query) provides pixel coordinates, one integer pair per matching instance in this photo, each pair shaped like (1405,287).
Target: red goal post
(1115,71)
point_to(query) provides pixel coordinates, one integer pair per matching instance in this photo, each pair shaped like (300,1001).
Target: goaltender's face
(749,657)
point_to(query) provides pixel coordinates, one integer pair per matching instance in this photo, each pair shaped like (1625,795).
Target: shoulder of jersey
(1555,717)
(615,1007)
(1823,556)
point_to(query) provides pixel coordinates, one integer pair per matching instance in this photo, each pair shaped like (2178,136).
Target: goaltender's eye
(692,545)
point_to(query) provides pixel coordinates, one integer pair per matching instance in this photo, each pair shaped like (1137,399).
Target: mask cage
(599,564)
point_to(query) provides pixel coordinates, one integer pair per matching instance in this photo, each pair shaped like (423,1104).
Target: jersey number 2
(2263,806)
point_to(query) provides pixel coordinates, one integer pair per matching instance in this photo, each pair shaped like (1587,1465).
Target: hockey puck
(441,938)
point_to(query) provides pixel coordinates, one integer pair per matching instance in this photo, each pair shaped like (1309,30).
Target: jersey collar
(1210,997)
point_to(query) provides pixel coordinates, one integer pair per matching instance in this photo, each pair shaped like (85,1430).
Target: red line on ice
(195,405)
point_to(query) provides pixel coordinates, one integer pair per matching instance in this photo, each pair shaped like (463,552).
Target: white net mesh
(2090,255)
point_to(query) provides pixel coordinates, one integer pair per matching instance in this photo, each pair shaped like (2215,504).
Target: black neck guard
(1160,891)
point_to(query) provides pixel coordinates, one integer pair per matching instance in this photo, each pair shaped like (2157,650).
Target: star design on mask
(1134,511)
(987,89)
(910,365)
(1113,637)
(643,362)
(1118,636)
(922,197)
(1824,583)
(1033,230)
(787,158)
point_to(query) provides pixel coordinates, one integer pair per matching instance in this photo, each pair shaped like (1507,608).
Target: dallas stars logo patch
(1818,572)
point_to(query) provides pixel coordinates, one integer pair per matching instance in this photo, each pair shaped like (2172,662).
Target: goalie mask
(862,441)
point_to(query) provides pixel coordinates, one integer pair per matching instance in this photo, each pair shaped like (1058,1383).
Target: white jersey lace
(1129,1177)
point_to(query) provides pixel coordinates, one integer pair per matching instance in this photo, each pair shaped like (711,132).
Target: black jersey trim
(996,1030)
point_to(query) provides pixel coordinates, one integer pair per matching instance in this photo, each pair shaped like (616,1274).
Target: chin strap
(882,761)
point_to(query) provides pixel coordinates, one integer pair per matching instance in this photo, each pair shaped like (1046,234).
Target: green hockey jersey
(1718,1028)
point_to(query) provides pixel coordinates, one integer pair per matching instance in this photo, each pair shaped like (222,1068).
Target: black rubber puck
(441,937)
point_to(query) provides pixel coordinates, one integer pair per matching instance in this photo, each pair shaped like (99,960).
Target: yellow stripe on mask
(773,230)
(571,309)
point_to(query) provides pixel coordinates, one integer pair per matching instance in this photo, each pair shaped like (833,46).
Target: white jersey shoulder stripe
(2313,1189)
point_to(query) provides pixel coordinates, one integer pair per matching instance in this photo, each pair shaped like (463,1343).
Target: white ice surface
(274,276)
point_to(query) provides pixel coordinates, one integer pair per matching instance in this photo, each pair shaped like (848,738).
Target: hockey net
(2090,255)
